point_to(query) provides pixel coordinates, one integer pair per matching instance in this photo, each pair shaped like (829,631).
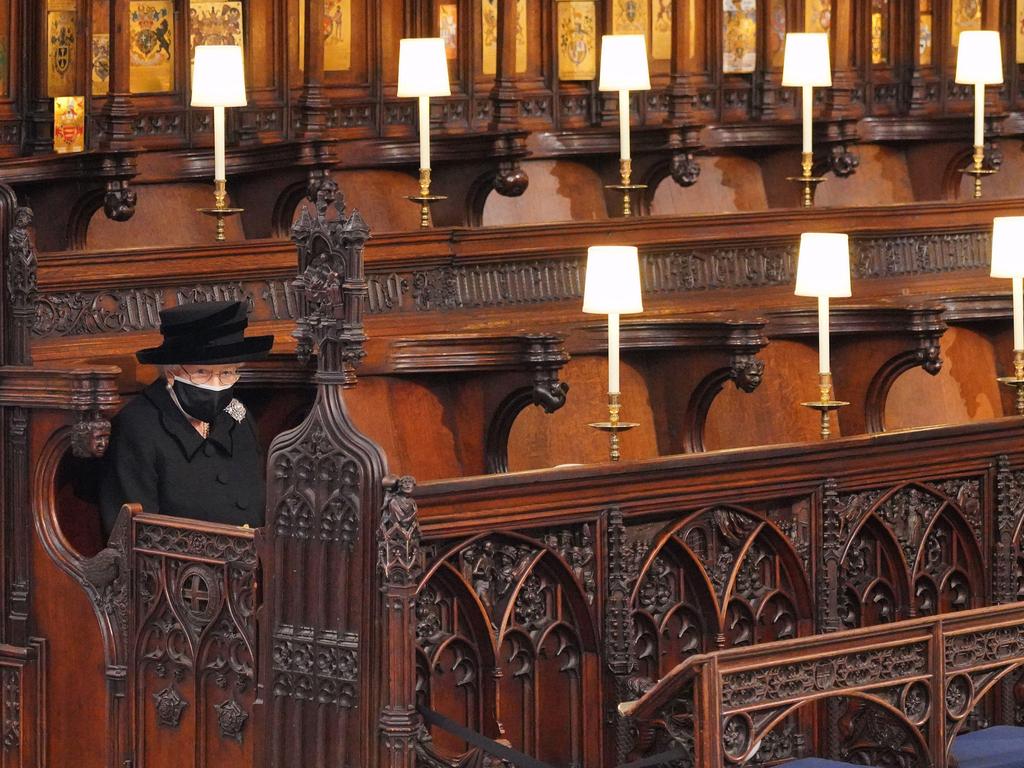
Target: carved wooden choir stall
(735,591)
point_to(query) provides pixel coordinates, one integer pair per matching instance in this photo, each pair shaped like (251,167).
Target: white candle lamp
(612,288)
(422,73)
(805,65)
(624,69)
(979,62)
(1008,261)
(218,81)
(823,271)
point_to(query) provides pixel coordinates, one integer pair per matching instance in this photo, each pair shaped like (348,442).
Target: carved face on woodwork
(90,439)
(22,217)
(748,374)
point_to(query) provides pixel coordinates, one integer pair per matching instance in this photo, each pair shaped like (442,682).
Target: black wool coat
(157,459)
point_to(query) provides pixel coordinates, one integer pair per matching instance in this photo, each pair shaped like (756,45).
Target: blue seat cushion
(818,762)
(1001,746)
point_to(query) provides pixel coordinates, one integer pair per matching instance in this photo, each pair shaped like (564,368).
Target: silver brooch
(236,411)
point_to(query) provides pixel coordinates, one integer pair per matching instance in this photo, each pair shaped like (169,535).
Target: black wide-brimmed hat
(207,332)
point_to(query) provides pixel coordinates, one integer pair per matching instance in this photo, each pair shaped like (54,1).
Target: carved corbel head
(746,372)
(549,393)
(510,180)
(119,201)
(685,170)
(843,161)
(90,436)
(930,355)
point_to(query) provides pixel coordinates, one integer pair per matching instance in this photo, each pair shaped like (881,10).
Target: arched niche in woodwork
(165,214)
(882,178)
(559,190)
(964,390)
(722,576)
(728,183)
(517,608)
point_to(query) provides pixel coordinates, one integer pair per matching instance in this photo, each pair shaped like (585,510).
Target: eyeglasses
(206,375)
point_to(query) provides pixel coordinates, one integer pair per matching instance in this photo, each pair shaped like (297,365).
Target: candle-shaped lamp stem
(613,353)
(219,172)
(807,110)
(1018,311)
(823,336)
(424,132)
(624,125)
(979,115)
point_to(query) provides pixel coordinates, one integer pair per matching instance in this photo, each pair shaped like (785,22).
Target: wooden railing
(917,682)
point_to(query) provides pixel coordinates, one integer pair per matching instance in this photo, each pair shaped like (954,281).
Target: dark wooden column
(690,77)
(313,103)
(119,113)
(504,94)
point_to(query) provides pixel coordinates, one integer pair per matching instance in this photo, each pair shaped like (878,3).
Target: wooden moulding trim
(476,352)
(61,389)
(414,250)
(653,485)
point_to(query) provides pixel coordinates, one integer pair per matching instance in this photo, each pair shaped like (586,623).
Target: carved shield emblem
(62,50)
(824,675)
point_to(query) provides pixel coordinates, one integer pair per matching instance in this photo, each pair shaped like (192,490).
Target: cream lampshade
(806,61)
(613,280)
(422,67)
(218,76)
(624,63)
(612,288)
(823,268)
(979,58)
(1008,246)
(1008,261)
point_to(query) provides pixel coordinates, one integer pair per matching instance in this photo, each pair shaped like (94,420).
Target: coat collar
(178,426)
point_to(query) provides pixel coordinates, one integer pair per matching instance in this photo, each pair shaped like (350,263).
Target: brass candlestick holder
(613,426)
(809,181)
(424,198)
(626,186)
(220,210)
(1017,380)
(976,170)
(825,404)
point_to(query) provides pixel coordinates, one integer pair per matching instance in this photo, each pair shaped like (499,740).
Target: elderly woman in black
(186,447)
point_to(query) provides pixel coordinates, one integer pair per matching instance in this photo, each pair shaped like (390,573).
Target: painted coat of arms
(489,36)
(214,23)
(661,30)
(100,64)
(966,16)
(577,42)
(61,41)
(630,17)
(337,27)
(152,56)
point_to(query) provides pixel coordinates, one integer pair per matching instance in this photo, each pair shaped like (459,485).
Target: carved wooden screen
(719,577)
(505,638)
(910,550)
(193,643)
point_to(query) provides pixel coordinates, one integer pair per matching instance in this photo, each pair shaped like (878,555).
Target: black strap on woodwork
(477,740)
(662,758)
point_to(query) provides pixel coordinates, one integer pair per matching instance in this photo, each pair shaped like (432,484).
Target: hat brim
(246,350)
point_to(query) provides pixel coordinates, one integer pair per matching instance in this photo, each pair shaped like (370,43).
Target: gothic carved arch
(509,621)
(912,550)
(285,208)
(926,356)
(726,564)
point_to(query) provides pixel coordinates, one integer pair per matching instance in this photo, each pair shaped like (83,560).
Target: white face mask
(209,387)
